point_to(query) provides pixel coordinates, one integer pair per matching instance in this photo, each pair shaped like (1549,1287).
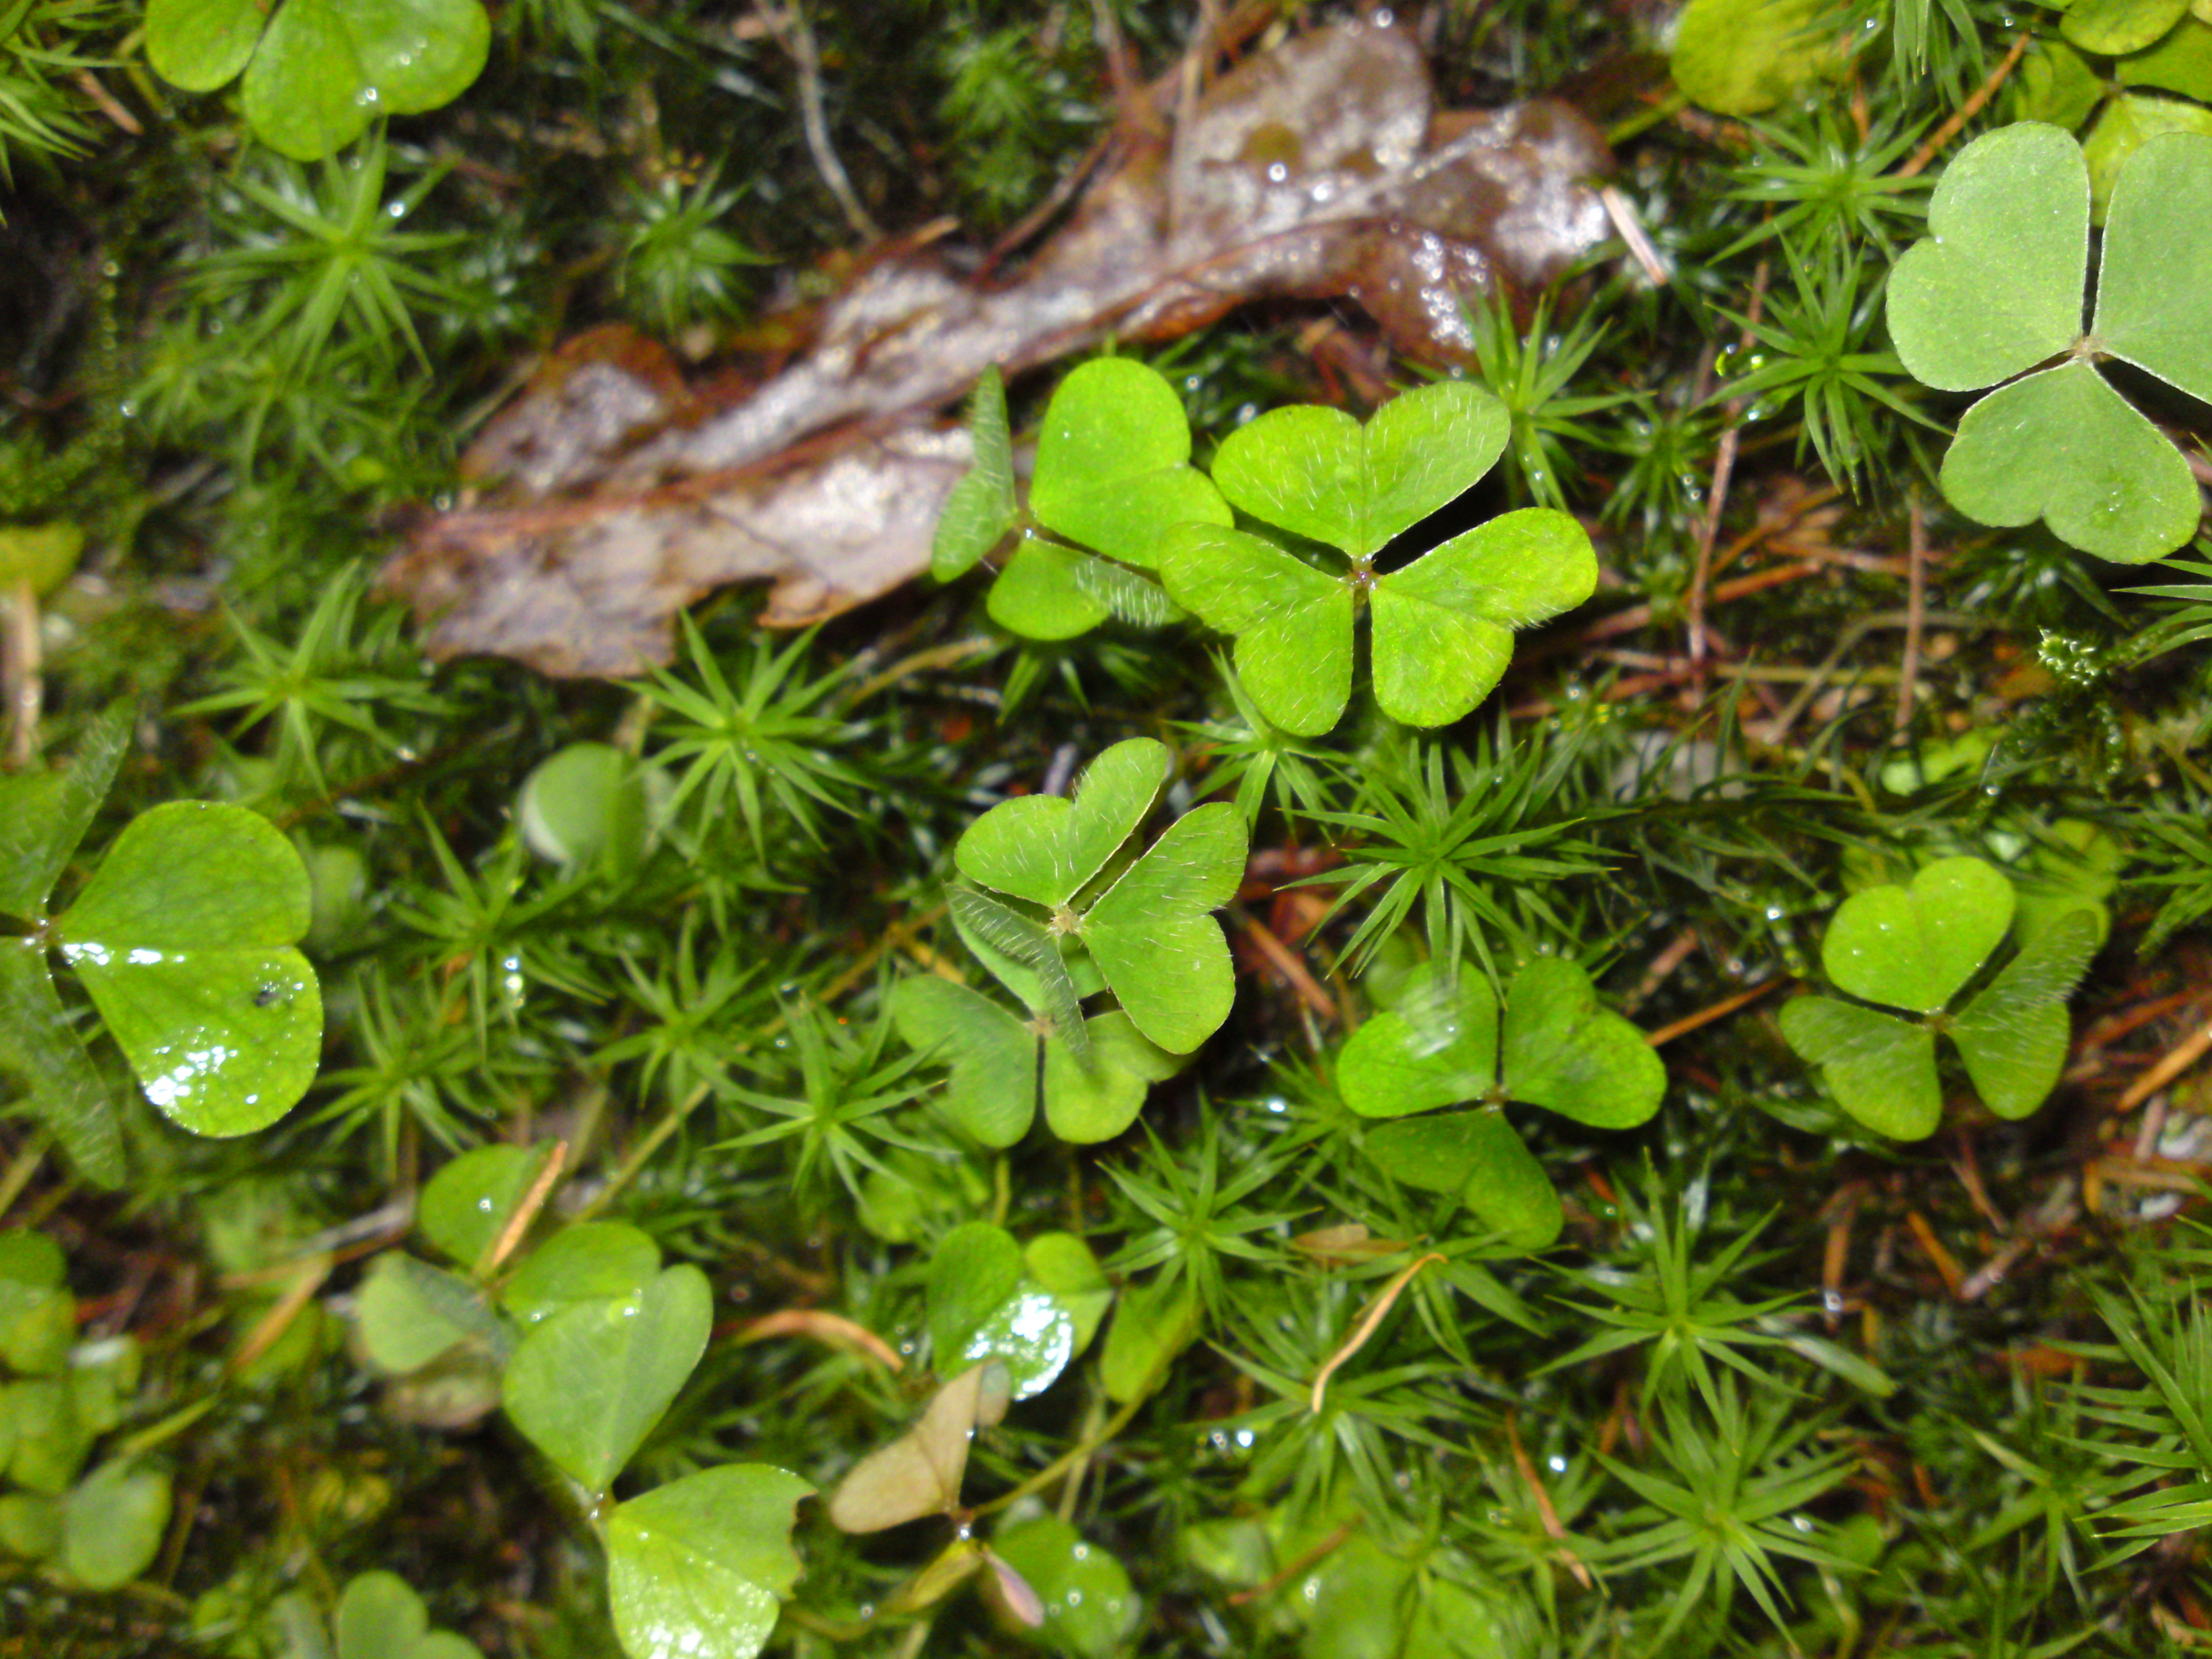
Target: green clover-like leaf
(1915,947)
(2111,27)
(1444,624)
(1443,1041)
(593,1262)
(1996,290)
(587,1383)
(380,1617)
(699,1568)
(319,71)
(983,1304)
(184,939)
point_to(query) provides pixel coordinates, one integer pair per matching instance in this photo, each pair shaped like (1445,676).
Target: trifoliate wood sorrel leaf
(1996,290)
(183,938)
(1914,948)
(1045,848)
(1318,473)
(981,508)
(1113,463)
(1154,937)
(1040,595)
(1744,57)
(1086,1605)
(1065,1265)
(113,1522)
(991,1091)
(920,1473)
(1444,624)
(468,1204)
(984,1305)
(592,1262)
(699,1568)
(1441,1042)
(587,1384)
(2123,126)
(2180,61)
(380,1617)
(321,70)
(1096,1099)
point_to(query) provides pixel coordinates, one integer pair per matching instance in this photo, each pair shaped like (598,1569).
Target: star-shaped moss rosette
(1443,625)
(1443,1042)
(1112,471)
(1903,953)
(1001,1062)
(1055,881)
(1995,292)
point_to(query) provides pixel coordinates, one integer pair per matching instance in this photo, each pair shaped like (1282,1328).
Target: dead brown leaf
(612,493)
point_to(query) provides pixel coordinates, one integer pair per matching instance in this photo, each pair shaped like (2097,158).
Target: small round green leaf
(417,55)
(1563,1052)
(467,1204)
(2014,1034)
(1113,464)
(2179,61)
(2151,309)
(198,46)
(1996,287)
(1293,623)
(590,1263)
(2063,446)
(992,1090)
(2111,27)
(2123,126)
(583,803)
(38,555)
(1041,594)
(30,1521)
(1443,625)
(587,1384)
(305,92)
(1094,1099)
(1044,848)
(411,1313)
(1480,1157)
(2056,86)
(113,1522)
(1153,936)
(1090,1608)
(191,874)
(1880,1069)
(698,1569)
(380,1617)
(1912,947)
(53,1439)
(1744,57)
(37,1315)
(1064,1265)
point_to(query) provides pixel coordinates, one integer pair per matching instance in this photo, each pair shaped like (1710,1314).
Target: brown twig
(1725,1007)
(1724,469)
(1365,1329)
(1916,611)
(792,28)
(2184,1054)
(1285,960)
(1544,1512)
(1966,111)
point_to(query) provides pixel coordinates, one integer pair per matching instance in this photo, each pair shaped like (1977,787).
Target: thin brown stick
(1947,1265)
(2180,1059)
(1966,111)
(791,26)
(1916,611)
(1285,960)
(22,674)
(526,1211)
(1549,1516)
(1725,1007)
(1365,1329)
(1723,470)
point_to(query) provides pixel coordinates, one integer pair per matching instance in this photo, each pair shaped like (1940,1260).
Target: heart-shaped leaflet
(1161,951)
(1044,848)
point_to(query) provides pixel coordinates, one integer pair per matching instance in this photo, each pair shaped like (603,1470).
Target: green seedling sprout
(1147,931)
(985,1304)
(1113,472)
(1444,1042)
(1443,625)
(1994,294)
(1903,953)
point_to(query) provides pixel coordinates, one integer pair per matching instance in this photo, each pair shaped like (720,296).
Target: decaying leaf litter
(612,493)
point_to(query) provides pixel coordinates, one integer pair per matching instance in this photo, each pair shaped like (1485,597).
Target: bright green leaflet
(2180,62)
(183,938)
(981,508)
(1155,1321)
(467,1204)
(1444,624)
(2123,126)
(585,804)
(37,1315)
(1113,463)
(588,1383)
(412,1312)
(112,1522)
(2110,27)
(1996,290)
(1064,1265)
(1743,56)
(380,1617)
(1045,848)
(592,1262)
(321,70)
(1089,1607)
(698,1569)
(983,1304)
(1161,952)
(1443,1042)
(1915,948)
